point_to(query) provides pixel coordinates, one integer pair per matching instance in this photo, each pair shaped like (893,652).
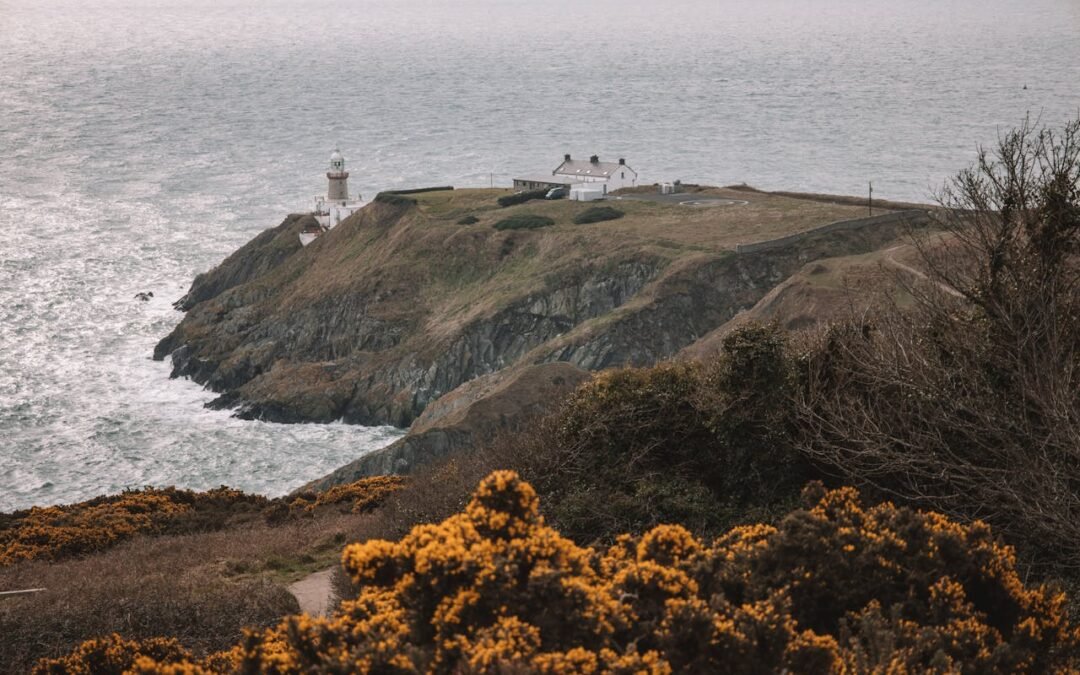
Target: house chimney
(622,162)
(566,157)
(594,159)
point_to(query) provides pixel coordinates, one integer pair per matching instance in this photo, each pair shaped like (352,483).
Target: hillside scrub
(203,587)
(523,221)
(597,214)
(356,497)
(493,589)
(59,532)
(705,445)
(969,402)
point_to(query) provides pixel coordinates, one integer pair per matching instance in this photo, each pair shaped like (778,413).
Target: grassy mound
(597,214)
(523,221)
(493,589)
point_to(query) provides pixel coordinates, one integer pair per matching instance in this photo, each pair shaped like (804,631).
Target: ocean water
(141,141)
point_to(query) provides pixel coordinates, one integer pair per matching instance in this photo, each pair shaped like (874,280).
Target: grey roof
(546,178)
(583,167)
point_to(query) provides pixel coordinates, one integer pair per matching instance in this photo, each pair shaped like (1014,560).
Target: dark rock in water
(144,295)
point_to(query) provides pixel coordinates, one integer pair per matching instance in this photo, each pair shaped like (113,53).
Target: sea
(142,141)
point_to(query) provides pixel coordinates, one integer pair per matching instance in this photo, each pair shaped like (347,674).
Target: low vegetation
(356,497)
(705,445)
(468,220)
(597,214)
(523,221)
(493,589)
(58,532)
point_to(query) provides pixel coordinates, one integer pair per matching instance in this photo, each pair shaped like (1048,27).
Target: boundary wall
(840,225)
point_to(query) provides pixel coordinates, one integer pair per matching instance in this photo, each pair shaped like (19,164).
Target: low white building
(604,176)
(587,192)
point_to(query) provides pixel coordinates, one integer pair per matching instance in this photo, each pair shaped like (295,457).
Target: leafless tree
(969,403)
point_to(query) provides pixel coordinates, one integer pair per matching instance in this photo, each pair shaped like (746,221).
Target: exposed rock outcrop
(471,414)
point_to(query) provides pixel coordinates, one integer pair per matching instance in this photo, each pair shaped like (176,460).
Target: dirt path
(889,257)
(313,592)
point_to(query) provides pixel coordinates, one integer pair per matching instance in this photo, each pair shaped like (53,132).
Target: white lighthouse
(335,206)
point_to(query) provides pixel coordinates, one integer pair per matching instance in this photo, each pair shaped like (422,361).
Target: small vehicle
(557,193)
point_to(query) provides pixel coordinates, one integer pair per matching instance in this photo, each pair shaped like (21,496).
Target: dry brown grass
(202,588)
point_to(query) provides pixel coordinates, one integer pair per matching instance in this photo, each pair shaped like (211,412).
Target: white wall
(622,177)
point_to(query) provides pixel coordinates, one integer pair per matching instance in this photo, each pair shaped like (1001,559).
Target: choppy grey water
(141,141)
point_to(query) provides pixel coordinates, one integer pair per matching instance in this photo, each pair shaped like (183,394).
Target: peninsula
(433,301)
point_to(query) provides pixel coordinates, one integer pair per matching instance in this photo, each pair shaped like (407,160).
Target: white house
(605,176)
(612,175)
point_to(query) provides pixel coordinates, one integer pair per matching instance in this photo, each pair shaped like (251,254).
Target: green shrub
(597,214)
(468,220)
(521,197)
(524,221)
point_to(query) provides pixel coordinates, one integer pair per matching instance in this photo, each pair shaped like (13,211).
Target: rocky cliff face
(262,254)
(400,305)
(471,414)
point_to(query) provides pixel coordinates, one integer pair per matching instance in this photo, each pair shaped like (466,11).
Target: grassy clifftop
(402,303)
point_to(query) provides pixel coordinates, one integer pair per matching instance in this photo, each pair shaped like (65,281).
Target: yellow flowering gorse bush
(833,588)
(360,495)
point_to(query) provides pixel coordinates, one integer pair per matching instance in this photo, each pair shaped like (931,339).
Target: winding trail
(314,592)
(891,259)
